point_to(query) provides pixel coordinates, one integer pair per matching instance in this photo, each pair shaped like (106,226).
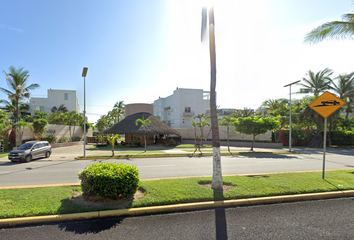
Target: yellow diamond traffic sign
(326,104)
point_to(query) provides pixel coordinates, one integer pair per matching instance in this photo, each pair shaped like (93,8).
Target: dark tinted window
(25,146)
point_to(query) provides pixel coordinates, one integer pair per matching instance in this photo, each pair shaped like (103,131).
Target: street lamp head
(84,72)
(292,83)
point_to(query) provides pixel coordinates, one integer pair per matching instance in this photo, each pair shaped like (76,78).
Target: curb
(175,208)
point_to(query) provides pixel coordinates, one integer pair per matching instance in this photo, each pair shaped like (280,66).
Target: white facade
(55,98)
(179,109)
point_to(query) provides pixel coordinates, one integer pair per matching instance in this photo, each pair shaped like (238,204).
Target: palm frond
(334,30)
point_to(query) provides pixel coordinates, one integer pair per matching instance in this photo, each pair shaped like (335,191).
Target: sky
(137,51)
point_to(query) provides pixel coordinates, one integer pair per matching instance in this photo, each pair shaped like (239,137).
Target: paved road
(323,219)
(52,172)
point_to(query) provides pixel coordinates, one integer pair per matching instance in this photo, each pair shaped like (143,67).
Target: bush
(111,180)
(75,139)
(63,140)
(342,138)
(50,139)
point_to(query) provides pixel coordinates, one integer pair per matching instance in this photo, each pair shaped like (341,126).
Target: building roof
(128,126)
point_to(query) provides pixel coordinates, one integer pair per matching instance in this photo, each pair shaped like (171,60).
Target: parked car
(30,150)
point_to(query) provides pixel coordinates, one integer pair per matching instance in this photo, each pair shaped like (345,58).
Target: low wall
(188,133)
(59,131)
(67,144)
(240,144)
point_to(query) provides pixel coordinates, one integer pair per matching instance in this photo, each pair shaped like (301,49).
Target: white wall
(172,108)
(55,98)
(188,132)
(58,131)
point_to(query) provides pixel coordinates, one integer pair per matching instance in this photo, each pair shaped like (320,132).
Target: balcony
(188,114)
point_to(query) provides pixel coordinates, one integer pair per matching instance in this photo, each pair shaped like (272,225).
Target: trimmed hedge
(111,180)
(342,138)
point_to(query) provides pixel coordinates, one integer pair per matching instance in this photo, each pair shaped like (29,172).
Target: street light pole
(84,72)
(289,85)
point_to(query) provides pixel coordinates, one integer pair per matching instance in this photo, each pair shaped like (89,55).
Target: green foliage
(342,138)
(75,139)
(63,140)
(255,125)
(39,127)
(111,180)
(112,140)
(50,139)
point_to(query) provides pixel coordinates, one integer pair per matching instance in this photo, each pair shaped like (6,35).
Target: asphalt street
(65,171)
(321,219)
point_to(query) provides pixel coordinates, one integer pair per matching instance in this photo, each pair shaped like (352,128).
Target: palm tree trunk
(145,141)
(228,139)
(216,183)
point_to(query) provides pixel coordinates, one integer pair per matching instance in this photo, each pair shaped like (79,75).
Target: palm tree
(275,106)
(61,108)
(345,90)
(143,123)
(10,106)
(194,124)
(227,121)
(316,83)
(112,139)
(201,125)
(17,79)
(335,29)
(119,106)
(217,183)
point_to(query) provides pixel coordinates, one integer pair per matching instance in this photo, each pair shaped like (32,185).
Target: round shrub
(111,180)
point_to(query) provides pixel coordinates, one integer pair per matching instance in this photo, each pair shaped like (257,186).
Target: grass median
(25,202)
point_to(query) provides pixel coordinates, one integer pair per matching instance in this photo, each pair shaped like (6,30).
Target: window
(67,96)
(187,109)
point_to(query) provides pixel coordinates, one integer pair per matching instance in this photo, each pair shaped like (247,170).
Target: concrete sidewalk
(70,152)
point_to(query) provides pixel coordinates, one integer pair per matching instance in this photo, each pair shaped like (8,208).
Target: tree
(201,125)
(40,115)
(345,90)
(316,83)
(335,29)
(143,123)
(194,124)
(276,107)
(5,128)
(61,108)
(227,121)
(217,183)
(10,106)
(255,126)
(21,125)
(119,107)
(39,127)
(17,80)
(112,139)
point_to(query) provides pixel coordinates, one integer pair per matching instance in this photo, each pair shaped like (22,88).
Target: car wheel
(47,154)
(28,158)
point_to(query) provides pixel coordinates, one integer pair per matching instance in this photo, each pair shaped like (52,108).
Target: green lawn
(56,200)
(3,154)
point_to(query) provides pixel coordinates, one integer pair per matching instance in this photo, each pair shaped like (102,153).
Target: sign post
(325,105)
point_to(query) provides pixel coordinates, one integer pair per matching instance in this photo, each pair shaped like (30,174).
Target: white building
(179,109)
(55,98)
